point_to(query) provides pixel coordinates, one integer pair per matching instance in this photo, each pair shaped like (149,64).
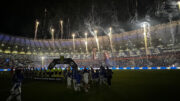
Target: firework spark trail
(145,37)
(36,29)
(171,29)
(61,25)
(94,33)
(110,38)
(52,36)
(178,4)
(97,40)
(86,43)
(73,35)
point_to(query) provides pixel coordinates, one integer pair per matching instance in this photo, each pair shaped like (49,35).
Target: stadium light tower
(86,43)
(110,38)
(42,59)
(96,38)
(73,35)
(36,29)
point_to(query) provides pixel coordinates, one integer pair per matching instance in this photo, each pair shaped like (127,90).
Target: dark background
(18,17)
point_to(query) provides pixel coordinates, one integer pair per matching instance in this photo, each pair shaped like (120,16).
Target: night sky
(18,17)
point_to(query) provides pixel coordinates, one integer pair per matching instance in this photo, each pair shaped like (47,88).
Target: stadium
(143,63)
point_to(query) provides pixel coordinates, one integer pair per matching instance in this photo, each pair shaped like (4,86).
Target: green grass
(127,85)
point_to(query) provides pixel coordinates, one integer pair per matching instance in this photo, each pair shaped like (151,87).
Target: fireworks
(96,38)
(146,28)
(61,27)
(86,43)
(36,29)
(73,35)
(110,38)
(42,60)
(52,36)
(178,4)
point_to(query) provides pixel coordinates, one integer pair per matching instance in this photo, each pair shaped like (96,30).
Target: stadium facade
(163,39)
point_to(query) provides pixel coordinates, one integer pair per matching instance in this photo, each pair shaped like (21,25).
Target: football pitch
(127,85)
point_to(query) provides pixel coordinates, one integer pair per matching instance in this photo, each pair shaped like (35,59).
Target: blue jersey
(17,78)
(102,71)
(69,74)
(78,78)
(96,75)
(74,73)
(85,71)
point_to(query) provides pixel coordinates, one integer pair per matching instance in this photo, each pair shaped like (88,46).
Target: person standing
(78,81)
(109,76)
(102,75)
(86,79)
(16,89)
(69,78)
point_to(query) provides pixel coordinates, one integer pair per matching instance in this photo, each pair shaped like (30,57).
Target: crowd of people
(83,78)
(12,60)
(74,78)
(79,80)
(9,61)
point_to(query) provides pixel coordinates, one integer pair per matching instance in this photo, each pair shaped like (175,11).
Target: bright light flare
(61,22)
(42,58)
(52,30)
(37,22)
(145,24)
(178,4)
(85,34)
(52,34)
(73,35)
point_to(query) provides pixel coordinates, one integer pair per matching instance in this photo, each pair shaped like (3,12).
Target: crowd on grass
(78,80)
(74,78)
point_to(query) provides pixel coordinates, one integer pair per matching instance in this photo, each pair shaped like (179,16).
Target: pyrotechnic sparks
(178,4)
(146,28)
(73,35)
(110,38)
(86,43)
(61,27)
(52,36)
(42,60)
(36,29)
(96,38)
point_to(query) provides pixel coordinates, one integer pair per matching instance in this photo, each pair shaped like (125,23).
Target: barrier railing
(124,68)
